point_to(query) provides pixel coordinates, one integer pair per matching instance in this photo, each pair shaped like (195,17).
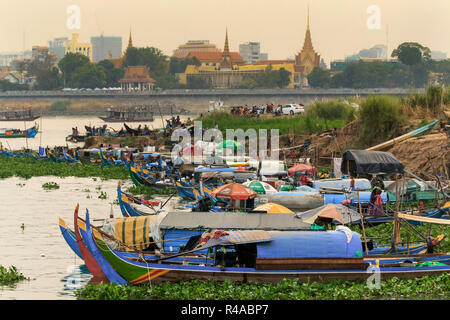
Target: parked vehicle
(292,108)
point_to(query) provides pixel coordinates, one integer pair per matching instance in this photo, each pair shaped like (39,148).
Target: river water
(39,250)
(54,130)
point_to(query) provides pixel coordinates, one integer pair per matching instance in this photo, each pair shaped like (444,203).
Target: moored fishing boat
(129,114)
(18,133)
(18,115)
(266,257)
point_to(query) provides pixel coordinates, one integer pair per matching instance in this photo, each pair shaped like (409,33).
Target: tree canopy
(411,53)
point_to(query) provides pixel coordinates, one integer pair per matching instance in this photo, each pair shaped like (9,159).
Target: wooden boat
(72,138)
(17,115)
(86,241)
(128,210)
(18,133)
(91,263)
(141,177)
(247,260)
(268,265)
(130,114)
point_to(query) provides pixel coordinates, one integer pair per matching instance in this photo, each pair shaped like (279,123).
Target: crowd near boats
(255,219)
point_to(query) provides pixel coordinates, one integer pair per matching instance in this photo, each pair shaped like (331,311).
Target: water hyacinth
(10,276)
(27,168)
(427,287)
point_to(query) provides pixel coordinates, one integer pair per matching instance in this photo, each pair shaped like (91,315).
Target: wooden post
(362,225)
(395,227)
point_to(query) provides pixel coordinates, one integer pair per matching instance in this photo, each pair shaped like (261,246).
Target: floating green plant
(50,186)
(103,195)
(10,276)
(427,287)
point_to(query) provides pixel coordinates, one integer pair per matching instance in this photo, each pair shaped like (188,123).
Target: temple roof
(210,56)
(137,74)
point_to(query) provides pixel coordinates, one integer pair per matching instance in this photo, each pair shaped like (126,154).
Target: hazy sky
(338,27)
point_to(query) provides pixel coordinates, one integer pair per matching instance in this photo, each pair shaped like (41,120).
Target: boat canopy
(205,169)
(234,220)
(360,184)
(311,244)
(364,197)
(132,231)
(370,162)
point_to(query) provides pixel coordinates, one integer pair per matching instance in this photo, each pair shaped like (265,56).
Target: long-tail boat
(266,256)
(255,255)
(129,114)
(18,133)
(18,115)
(128,210)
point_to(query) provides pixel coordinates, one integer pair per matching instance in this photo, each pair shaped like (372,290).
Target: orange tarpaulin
(234,191)
(299,167)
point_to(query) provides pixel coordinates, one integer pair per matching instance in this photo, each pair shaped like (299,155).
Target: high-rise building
(39,53)
(58,47)
(378,51)
(74,46)
(438,55)
(7,59)
(106,48)
(194,46)
(251,52)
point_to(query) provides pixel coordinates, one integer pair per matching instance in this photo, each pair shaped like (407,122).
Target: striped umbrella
(260,187)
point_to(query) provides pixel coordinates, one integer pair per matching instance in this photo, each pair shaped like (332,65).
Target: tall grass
(380,117)
(332,110)
(432,100)
(323,116)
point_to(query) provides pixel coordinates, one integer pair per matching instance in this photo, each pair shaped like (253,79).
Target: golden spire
(226,49)
(307,24)
(226,56)
(308,42)
(130,41)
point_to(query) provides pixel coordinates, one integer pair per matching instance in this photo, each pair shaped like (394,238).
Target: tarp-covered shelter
(337,212)
(235,220)
(356,162)
(309,244)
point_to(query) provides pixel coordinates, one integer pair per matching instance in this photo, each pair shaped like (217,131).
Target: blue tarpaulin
(309,244)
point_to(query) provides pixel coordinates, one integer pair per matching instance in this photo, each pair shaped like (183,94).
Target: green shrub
(331,110)
(60,105)
(435,95)
(380,117)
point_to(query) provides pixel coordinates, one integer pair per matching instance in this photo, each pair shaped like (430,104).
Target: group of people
(256,110)
(176,122)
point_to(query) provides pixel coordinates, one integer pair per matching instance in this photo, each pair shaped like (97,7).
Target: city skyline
(338,28)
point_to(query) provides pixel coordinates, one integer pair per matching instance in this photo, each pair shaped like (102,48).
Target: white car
(292,108)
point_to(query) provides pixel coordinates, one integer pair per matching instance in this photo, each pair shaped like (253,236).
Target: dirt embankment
(421,155)
(425,154)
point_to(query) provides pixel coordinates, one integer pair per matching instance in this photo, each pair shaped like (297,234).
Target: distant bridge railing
(209,92)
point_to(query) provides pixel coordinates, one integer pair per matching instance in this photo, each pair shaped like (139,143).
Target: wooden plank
(423,219)
(310,263)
